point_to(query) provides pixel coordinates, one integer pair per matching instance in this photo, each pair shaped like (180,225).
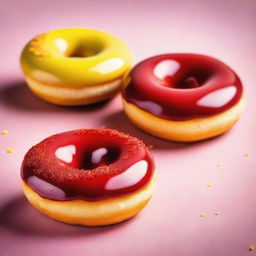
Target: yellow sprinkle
(216,213)
(4,132)
(209,185)
(151,146)
(203,215)
(251,248)
(218,165)
(247,154)
(202,169)
(9,150)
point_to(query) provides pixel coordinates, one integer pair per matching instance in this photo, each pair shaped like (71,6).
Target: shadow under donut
(118,120)
(16,94)
(19,216)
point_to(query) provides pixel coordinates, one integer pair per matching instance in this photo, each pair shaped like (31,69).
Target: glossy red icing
(183,86)
(88,164)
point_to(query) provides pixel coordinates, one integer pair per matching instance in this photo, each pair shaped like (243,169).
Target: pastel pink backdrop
(171,223)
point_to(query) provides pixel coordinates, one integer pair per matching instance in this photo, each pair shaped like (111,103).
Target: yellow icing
(75,57)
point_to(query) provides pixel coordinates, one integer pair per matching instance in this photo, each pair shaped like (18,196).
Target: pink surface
(171,223)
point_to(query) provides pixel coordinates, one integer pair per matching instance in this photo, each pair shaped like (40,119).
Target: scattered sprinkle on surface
(209,185)
(4,132)
(216,213)
(9,150)
(247,154)
(202,169)
(251,248)
(151,146)
(203,215)
(218,165)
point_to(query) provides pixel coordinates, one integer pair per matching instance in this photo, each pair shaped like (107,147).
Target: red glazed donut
(89,176)
(183,97)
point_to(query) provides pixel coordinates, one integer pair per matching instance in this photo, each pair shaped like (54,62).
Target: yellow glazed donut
(183,97)
(75,66)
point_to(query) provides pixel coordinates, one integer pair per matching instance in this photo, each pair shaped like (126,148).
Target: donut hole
(85,50)
(99,157)
(192,80)
(189,80)
(173,74)
(87,158)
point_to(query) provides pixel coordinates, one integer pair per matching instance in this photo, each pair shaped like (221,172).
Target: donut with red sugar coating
(86,164)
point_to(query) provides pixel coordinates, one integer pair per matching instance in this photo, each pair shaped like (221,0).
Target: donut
(75,66)
(183,97)
(90,177)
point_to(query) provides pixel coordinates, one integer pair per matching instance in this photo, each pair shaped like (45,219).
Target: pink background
(171,223)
